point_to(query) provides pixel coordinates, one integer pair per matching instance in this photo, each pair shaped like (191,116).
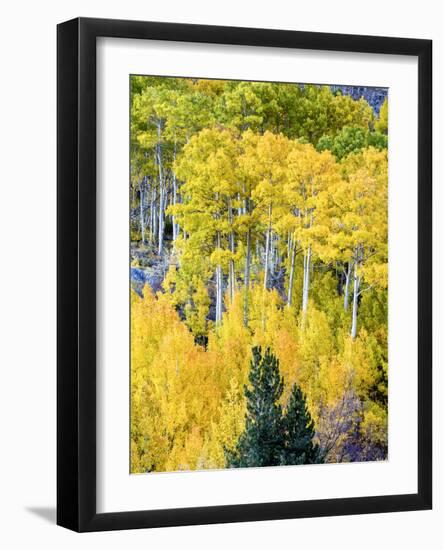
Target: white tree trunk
(355,302)
(291,272)
(347,273)
(160,220)
(246,279)
(267,249)
(306,273)
(142,210)
(154,214)
(272,255)
(232,249)
(162,190)
(174,198)
(151,214)
(218,287)
(174,202)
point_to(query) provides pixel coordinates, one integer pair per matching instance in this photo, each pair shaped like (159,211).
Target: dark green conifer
(299,431)
(261,443)
(272,438)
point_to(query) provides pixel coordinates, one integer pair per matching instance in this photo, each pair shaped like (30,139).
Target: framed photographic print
(244,274)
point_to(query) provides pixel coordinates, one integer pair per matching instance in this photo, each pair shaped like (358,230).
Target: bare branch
(360,292)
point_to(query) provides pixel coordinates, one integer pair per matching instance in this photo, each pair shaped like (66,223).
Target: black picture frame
(76,279)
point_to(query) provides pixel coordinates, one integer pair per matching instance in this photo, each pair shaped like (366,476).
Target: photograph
(258,222)
(220,288)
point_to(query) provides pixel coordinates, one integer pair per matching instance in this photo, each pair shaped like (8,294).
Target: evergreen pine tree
(272,438)
(261,443)
(299,431)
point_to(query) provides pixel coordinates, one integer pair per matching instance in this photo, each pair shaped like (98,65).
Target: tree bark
(160,220)
(174,197)
(218,287)
(153,214)
(272,256)
(355,302)
(291,271)
(162,190)
(246,279)
(232,249)
(306,270)
(347,273)
(239,208)
(142,212)
(268,239)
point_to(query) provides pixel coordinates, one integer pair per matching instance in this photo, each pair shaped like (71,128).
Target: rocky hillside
(374,96)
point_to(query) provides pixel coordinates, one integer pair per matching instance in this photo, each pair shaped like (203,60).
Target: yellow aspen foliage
(225,432)
(382,123)
(231,343)
(362,359)
(166,368)
(245,235)
(375,423)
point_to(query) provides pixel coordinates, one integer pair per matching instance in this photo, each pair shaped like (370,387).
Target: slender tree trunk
(174,197)
(272,256)
(217,303)
(174,202)
(162,190)
(355,302)
(142,211)
(154,214)
(232,249)
(150,215)
(268,239)
(247,277)
(291,272)
(218,287)
(160,221)
(306,270)
(347,285)
(220,292)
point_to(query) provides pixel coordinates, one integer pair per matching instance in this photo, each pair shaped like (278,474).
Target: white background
(27,276)
(117,490)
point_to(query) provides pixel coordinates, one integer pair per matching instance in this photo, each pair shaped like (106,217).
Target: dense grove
(262,210)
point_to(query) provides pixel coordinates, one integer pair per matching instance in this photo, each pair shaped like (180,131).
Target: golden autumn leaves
(267,241)
(237,188)
(187,402)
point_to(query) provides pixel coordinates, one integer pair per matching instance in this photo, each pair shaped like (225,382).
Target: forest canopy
(258,245)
